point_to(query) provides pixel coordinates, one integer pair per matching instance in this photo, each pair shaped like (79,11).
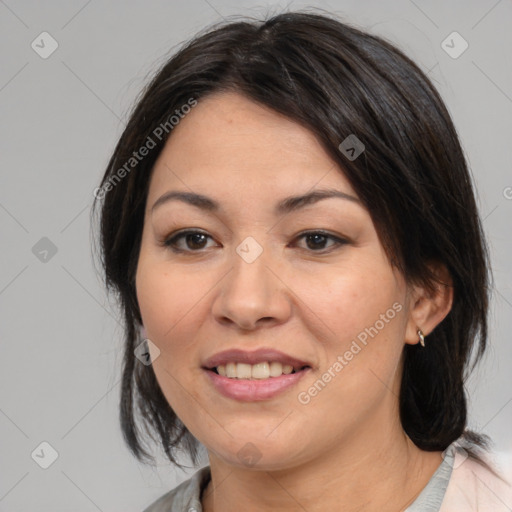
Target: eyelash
(171,241)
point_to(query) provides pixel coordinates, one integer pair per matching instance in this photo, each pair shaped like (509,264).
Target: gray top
(431,497)
(186,497)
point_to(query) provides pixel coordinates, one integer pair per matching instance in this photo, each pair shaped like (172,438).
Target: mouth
(258,364)
(254,375)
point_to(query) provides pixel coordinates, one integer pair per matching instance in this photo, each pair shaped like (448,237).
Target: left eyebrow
(286,205)
(293,203)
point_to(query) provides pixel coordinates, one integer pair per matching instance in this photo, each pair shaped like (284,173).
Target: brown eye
(194,241)
(316,240)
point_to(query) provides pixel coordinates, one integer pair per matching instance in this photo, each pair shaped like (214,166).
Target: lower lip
(255,389)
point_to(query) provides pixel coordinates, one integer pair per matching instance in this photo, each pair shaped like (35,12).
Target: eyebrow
(286,205)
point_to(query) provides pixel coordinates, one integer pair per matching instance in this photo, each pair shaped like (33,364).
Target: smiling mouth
(246,387)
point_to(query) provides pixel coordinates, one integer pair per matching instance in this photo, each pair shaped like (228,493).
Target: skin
(345,449)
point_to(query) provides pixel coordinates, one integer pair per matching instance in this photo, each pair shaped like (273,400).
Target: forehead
(231,147)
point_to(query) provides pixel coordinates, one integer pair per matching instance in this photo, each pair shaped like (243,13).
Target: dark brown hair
(336,80)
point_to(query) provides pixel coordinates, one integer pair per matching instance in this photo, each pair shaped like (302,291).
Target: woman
(290,226)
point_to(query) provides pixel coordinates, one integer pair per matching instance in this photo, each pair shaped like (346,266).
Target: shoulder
(185,497)
(472,487)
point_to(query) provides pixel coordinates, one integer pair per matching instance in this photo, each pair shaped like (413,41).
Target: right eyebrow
(198,200)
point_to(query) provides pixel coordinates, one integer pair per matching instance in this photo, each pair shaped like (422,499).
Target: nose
(252,294)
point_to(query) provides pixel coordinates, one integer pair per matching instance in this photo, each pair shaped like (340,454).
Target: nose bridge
(251,291)
(249,278)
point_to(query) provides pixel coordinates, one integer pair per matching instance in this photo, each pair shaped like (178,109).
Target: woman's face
(250,279)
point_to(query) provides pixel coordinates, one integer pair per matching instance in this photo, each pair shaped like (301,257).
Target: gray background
(60,118)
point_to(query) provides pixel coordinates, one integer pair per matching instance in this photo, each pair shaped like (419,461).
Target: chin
(257,453)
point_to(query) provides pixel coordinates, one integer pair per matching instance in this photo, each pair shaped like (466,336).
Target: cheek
(167,298)
(169,303)
(350,299)
(362,324)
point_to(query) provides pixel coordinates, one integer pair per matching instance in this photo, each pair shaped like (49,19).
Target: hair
(336,80)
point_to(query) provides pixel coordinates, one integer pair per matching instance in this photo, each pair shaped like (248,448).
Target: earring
(422,337)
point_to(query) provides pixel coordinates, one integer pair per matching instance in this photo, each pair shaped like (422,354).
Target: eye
(316,240)
(194,241)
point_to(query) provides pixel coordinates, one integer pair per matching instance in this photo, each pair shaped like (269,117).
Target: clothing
(458,485)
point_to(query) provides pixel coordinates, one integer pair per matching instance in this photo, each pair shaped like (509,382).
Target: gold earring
(422,338)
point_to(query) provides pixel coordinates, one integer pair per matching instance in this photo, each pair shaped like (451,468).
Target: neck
(380,469)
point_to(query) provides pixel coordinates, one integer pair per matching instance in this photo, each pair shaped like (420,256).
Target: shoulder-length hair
(413,179)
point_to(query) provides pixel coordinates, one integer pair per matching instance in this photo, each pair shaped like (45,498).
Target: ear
(427,309)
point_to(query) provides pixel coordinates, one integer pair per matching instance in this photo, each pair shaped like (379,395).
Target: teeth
(255,371)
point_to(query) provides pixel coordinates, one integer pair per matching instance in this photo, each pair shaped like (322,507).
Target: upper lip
(253,357)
